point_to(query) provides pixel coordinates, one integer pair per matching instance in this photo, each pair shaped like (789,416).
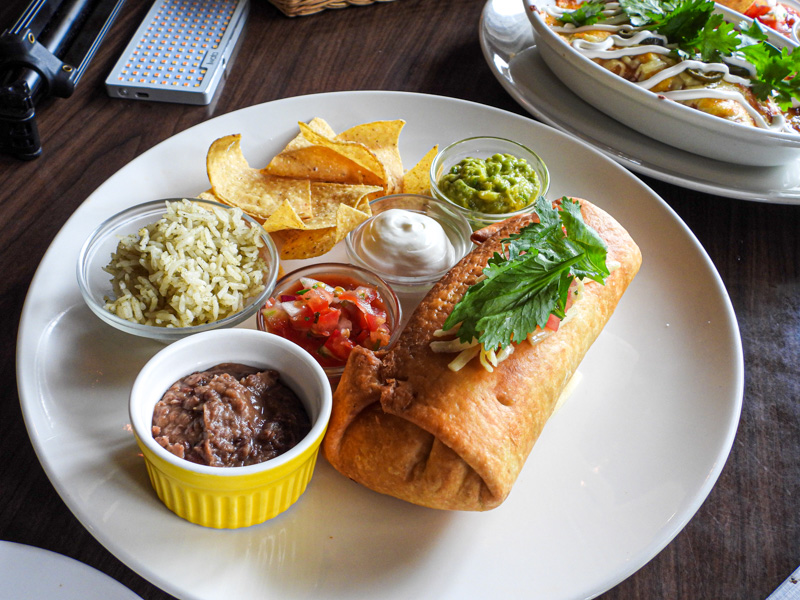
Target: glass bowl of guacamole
(489,179)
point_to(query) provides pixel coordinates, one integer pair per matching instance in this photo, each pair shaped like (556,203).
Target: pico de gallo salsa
(329,318)
(777,15)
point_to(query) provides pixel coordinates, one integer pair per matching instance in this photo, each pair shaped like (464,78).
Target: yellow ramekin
(230,497)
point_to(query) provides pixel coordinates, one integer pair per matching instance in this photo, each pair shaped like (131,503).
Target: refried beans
(231,415)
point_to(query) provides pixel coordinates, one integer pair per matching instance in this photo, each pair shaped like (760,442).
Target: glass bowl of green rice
(170,268)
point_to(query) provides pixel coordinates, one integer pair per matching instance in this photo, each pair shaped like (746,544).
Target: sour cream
(406,243)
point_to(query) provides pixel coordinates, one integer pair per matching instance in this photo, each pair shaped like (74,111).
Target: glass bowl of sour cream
(411,241)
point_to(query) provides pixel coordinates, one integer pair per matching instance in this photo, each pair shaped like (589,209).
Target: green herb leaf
(752,34)
(592,246)
(587,14)
(682,22)
(717,39)
(776,73)
(642,12)
(530,279)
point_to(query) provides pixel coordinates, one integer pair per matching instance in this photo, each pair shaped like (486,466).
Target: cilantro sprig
(679,20)
(530,279)
(777,73)
(587,13)
(696,32)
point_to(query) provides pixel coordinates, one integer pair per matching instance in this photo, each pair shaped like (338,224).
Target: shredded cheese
(447,332)
(463,358)
(487,359)
(538,335)
(454,345)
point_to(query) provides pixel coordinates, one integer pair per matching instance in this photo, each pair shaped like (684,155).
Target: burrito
(410,423)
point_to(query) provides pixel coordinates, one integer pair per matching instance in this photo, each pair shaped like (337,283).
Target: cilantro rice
(196,265)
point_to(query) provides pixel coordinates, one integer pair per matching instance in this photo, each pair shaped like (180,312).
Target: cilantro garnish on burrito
(531,279)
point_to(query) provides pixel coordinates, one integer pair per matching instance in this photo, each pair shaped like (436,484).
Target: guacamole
(499,184)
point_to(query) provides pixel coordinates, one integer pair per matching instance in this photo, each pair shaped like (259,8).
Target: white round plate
(617,473)
(509,46)
(30,573)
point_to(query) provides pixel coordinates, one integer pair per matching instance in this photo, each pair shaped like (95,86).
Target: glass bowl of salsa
(489,179)
(330,308)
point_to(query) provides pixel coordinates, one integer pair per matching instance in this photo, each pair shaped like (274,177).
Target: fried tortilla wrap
(405,424)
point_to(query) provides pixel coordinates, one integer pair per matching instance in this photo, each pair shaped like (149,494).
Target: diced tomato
(380,337)
(275,318)
(374,321)
(552,323)
(368,315)
(317,298)
(303,319)
(327,320)
(338,345)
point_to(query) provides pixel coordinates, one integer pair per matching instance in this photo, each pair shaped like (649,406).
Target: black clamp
(23,50)
(31,70)
(19,134)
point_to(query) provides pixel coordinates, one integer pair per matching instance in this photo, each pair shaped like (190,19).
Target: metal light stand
(44,54)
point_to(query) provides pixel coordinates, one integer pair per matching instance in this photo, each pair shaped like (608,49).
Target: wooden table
(743,541)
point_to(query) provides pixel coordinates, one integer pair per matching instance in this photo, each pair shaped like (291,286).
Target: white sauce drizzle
(606,26)
(696,65)
(602,49)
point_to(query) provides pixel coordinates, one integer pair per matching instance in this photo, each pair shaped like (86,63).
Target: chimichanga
(407,425)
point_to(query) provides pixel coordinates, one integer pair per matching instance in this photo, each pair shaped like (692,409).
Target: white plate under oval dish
(618,472)
(511,51)
(664,120)
(30,573)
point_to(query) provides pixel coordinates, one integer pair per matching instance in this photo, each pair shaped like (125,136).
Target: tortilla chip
(235,183)
(382,138)
(330,160)
(355,151)
(317,189)
(317,163)
(317,125)
(339,208)
(418,179)
(328,197)
(303,158)
(208,195)
(284,217)
(296,244)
